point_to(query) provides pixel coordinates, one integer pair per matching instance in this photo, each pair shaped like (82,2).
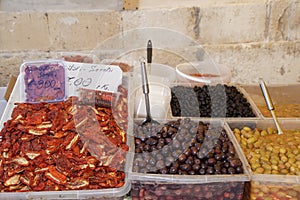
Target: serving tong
(270,104)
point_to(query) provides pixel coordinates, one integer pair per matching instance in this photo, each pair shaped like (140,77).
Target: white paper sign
(92,76)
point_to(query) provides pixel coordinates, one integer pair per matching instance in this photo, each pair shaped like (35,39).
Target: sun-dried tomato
(63,146)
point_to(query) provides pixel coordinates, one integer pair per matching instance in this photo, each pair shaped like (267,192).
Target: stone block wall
(254,38)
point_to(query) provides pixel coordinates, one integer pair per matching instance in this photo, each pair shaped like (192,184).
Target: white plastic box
(159,99)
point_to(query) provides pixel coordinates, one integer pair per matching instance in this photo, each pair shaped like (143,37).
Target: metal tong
(269,104)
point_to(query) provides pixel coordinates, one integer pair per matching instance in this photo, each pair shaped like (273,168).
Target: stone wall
(254,38)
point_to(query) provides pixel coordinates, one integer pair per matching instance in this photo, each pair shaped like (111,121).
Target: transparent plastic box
(3,102)
(285,99)
(157,73)
(109,193)
(77,57)
(193,97)
(175,186)
(203,73)
(271,186)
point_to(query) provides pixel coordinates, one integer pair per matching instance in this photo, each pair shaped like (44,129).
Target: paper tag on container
(93,77)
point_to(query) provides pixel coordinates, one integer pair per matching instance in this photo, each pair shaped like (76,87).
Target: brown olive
(210,170)
(182,157)
(231,170)
(194,152)
(189,160)
(188,152)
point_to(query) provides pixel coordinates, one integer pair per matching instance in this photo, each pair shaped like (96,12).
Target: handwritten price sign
(43,81)
(92,76)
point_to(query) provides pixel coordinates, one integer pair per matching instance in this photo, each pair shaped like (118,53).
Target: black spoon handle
(149,51)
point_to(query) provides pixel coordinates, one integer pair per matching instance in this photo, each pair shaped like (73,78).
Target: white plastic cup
(158,73)
(159,97)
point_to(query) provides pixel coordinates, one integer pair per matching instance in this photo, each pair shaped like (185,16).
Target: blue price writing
(84,82)
(95,68)
(103,87)
(73,67)
(41,84)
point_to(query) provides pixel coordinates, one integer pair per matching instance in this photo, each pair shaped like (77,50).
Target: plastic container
(271,186)
(191,102)
(77,57)
(125,65)
(168,186)
(159,97)
(110,193)
(285,100)
(43,80)
(203,73)
(157,73)
(3,102)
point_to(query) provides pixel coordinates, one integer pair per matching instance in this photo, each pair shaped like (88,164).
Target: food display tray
(239,88)
(285,100)
(273,186)
(193,186)
(111,193)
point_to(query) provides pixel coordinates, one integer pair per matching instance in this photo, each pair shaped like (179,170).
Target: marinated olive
(199,151)
(209,101)
(274,153)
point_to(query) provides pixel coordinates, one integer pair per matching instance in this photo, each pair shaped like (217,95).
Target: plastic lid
(204,72)
(43,81)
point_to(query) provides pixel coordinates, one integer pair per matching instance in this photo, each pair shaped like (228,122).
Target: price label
(92,76)
(43,81)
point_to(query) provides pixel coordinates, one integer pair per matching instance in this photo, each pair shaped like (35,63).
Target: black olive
(196,167)
(202,171)
(173,170)
(211,161)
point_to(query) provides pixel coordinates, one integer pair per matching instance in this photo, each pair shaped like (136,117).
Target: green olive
(270,153)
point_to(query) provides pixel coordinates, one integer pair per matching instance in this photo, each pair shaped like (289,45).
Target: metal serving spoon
(269,104)
(145,87)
